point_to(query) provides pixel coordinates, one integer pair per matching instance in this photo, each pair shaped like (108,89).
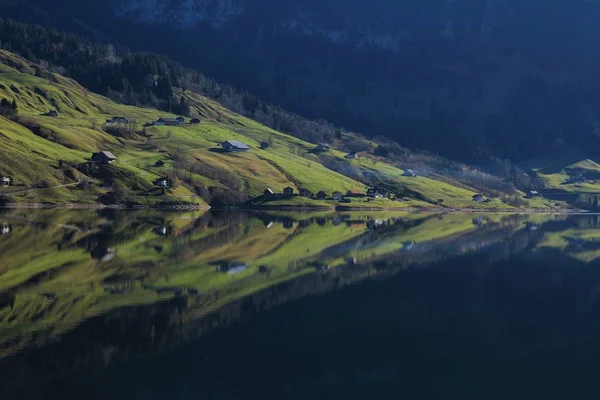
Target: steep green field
(562,179)
(45,154)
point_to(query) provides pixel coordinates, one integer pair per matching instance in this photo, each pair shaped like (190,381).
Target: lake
(107,304)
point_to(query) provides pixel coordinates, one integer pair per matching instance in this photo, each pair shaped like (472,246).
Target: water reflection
(81,291)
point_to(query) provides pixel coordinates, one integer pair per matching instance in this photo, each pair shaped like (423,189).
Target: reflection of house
(408,245)
(104,157)
(410,173)
(321,195)
(6,181)
(163,231)
(6,229)
(103,254)
(288,191)
(164,182)
(232,268)
(337,196)
(234,145)
(355,193)
(477,221)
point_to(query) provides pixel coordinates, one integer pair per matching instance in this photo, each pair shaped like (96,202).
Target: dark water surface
(151,305)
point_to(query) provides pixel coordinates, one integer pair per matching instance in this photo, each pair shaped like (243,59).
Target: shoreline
(188,207)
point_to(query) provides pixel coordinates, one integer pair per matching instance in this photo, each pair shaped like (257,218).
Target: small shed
(104,157)
(533,194)
(234,146)
(321,195)
(159,164)
(478,198)
(352,155)
(268,193)
(337,196)
(410,173)
(164,182)
(264,145)
(194,121)
(288,191)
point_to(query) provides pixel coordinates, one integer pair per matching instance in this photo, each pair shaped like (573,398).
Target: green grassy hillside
(45,154)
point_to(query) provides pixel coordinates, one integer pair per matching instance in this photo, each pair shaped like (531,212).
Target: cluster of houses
(179,121)
(373,193)
(479,198)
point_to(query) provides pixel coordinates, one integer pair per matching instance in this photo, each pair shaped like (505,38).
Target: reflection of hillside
(181,295)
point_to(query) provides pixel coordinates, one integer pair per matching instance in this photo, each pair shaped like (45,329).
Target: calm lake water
(221,305)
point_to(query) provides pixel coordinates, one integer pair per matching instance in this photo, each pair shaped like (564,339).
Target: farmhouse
(337,196)
(117,121)
(409,173)
(321,195)
(268,193)
(234,146)
(352,155)
(264,145)
(323,147)
(288,191)
(104,157)
(355,193)
(170,121)
(305,193)
(533,194)
(478,198)
(6,181)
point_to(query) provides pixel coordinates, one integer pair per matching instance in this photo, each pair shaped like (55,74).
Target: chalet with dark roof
(321,195)
(117,121)
(170,121)
(288,191)
(104,157)
(231,146)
